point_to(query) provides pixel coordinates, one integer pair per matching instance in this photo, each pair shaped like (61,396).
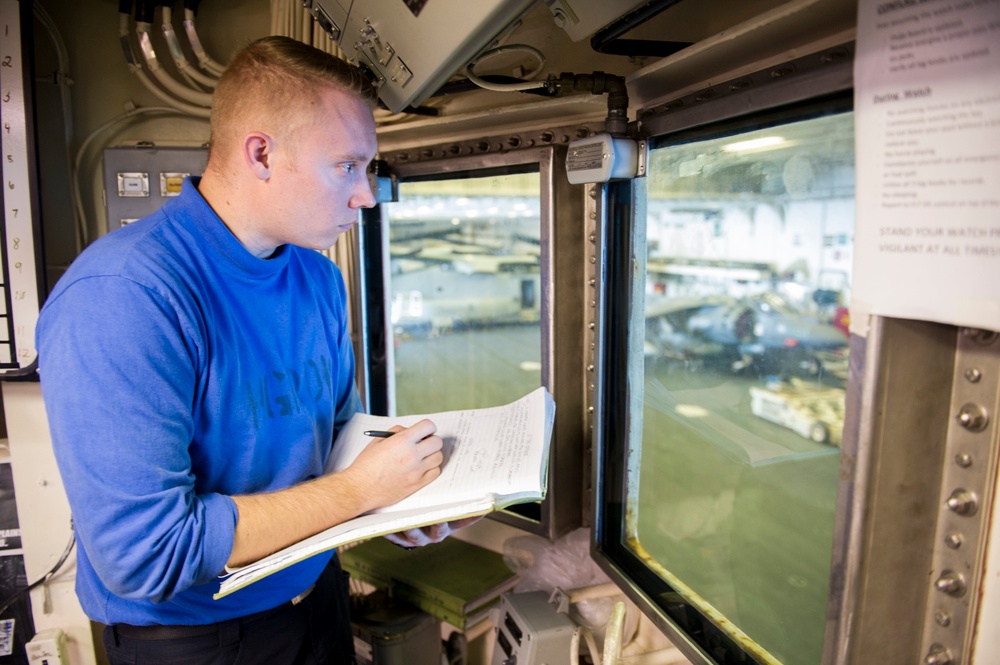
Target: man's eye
(347,168)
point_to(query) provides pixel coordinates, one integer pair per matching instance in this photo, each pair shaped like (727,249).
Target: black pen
(380,433)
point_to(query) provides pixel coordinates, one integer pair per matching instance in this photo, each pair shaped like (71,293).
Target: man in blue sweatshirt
(196,366)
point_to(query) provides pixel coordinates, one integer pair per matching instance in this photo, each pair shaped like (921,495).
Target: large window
(464,291)
(477,268)
(729,453)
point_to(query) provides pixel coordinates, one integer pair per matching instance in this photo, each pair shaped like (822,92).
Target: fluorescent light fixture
(754,144)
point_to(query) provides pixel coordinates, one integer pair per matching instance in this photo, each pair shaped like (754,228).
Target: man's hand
(434,533)
(392,469)
(386,471)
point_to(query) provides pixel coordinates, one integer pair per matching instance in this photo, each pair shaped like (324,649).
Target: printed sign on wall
(927,102)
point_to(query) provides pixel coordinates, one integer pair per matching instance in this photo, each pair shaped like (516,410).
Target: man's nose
(363,196)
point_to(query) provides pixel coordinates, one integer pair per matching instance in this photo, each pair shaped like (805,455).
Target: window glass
(464,291)
(749,250)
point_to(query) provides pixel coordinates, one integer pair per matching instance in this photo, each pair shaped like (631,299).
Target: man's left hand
(434,533)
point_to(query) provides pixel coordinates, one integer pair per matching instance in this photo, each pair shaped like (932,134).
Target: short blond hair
(273,82)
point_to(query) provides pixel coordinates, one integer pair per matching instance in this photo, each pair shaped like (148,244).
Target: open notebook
(494,457)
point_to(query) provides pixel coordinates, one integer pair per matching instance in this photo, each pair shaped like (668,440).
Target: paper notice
(927,102)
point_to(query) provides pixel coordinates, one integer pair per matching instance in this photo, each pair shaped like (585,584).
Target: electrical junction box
(409,48)
(601,158)
(531,631)
(139,179)
(48,648)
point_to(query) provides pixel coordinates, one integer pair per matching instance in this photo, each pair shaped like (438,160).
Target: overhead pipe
(180,59)
(599,83)
(172,86)
(206,62)
(136,68)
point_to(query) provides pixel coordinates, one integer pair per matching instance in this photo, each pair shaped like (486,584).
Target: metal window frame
(804,86)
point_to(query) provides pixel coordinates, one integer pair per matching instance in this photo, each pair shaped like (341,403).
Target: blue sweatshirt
(178,370)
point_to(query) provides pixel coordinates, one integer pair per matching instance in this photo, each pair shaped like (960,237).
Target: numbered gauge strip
(18,253)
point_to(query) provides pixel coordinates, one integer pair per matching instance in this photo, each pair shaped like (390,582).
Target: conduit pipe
(140,74)
(185,93)
(206,62)
(519,86)
(180,59)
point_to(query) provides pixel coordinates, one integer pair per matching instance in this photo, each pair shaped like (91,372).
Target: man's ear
(257,147)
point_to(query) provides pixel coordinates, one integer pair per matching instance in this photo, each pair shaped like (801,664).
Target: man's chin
(329,241)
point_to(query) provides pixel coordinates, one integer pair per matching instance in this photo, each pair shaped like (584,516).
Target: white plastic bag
(566,564)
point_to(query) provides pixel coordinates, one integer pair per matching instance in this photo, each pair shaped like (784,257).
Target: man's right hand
(386,471)
(393,468)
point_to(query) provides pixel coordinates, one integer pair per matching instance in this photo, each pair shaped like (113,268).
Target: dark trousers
(316,631)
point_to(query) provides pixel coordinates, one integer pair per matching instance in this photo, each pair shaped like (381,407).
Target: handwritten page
(496,444)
